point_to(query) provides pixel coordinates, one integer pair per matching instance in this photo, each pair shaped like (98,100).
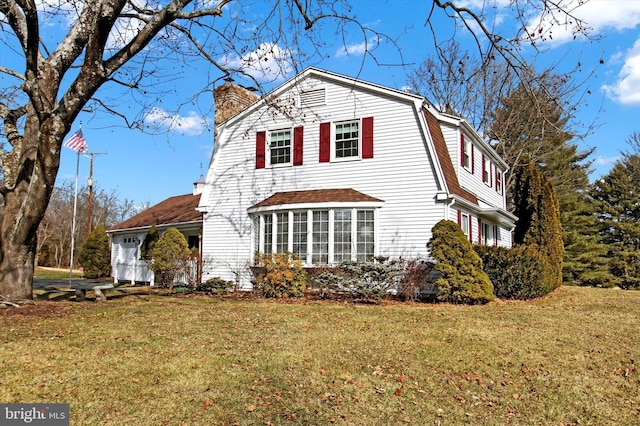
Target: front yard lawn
(569,358)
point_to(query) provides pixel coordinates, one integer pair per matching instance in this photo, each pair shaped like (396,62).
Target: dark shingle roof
(316,196)
(445,160)
(178,209)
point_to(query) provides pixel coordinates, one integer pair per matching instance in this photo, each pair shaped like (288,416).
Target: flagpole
(73,223)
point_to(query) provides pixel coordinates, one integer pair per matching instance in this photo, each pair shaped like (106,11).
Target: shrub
(517,273)
(538,225)
(416,280)
(149,242)
(365,281)
(461,279)
(215,286)
(170,257)
(95,256)
(280,276)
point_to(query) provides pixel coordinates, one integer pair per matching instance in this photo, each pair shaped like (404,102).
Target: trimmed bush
(518,273)
(170,257)
(280,276)
(364,281)
(150,240)
(215,286)
(462,279)
(95,256)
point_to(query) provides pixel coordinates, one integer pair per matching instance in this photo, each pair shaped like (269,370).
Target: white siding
(471,180)
(400,174)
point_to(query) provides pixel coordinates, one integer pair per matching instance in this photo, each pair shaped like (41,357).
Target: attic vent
(312,97)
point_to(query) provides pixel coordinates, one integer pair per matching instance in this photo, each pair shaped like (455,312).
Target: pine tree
(538,225)
(95,254)
(617,198)
(586,260)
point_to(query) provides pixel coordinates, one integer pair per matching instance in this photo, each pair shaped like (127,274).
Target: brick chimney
(229,99)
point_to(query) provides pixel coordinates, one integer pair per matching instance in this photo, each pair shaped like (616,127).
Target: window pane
(300,235)
(347,139)
(365,234)
(268,233)
(282,242)
(281,147)
(342,235)
(320,246)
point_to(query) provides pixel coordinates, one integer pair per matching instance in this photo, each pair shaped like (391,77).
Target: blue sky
(149,168)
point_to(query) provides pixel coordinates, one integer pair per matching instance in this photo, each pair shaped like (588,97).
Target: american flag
(77,142)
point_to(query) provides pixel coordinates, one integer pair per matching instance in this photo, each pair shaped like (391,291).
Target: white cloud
(606,161)
(598,16)
(267,63)
(352,49)
(626,89)
(191,125)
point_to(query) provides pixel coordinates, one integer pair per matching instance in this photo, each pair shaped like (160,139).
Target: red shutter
(325,142)
(495,235)
(298,136)
(462,149)
(367,137)
(470,230)
(479,232)
(261,142)
(459,218)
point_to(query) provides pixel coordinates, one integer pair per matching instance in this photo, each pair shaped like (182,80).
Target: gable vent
(312,97)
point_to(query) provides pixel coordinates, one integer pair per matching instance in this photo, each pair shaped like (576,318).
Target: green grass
(155,360)
(55,273)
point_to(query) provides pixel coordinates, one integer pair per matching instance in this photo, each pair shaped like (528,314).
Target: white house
(332,168)
(126,238)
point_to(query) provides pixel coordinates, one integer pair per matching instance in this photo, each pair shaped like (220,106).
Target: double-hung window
(467,152)
(347,139)
(280,147)
(342,235)
(486,170)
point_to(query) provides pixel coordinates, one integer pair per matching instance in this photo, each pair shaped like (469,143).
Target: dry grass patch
(149,360)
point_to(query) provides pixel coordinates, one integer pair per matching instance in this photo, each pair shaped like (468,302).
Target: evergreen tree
(617,198)
(462,279)
(170,256)
(150,240)
(586,260)
(95,256)
(538,225)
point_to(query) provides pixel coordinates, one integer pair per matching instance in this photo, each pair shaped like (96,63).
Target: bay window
(317,237)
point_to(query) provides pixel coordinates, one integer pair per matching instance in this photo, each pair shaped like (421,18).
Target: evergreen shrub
(215,285)
(461,277)
(518,273)
(280,275)
(363,281)
(170,256)
(95,255)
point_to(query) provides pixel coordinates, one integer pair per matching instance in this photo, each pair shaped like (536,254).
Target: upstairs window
(466,150)
(347,139)
(498,181)
(486,170)
(280,147)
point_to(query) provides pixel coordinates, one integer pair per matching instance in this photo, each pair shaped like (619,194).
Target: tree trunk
(30,174)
